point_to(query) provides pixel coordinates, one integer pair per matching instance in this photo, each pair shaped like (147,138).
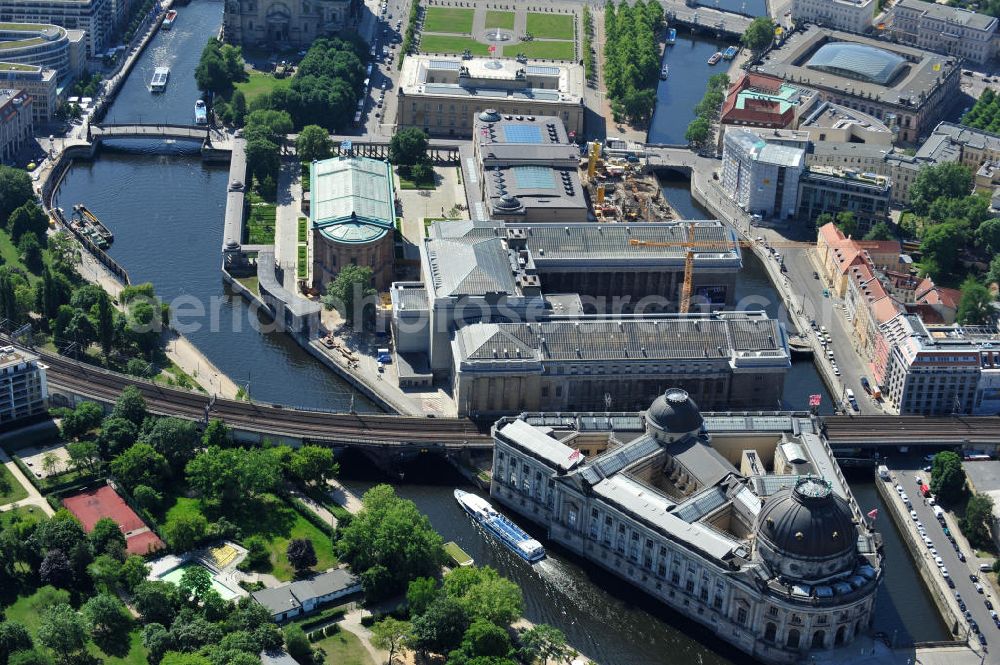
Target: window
(741,616)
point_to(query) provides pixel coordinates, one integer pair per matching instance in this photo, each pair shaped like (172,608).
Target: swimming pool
(174,575)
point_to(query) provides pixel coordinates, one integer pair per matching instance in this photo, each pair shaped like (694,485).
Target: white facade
(848,15)
(40,84)
(93,16)
(16,123)
(763,178)
(24,391)
(950,30)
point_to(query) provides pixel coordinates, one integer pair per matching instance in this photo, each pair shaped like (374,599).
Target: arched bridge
(203,133)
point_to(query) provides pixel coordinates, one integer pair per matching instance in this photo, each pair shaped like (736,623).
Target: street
(975,602)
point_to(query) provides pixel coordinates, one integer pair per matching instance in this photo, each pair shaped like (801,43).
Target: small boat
(200,113)
(159,80)
(87,224)
(664,72)
(714,59)
(168,21)
(730,53)
(505,530)
(671,36)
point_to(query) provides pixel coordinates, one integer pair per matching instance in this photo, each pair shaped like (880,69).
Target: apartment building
(16,123)
(23,390)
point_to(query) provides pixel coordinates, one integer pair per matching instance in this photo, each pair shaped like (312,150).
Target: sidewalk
(34,498)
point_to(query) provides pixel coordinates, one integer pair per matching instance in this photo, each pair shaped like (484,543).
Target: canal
(166,207)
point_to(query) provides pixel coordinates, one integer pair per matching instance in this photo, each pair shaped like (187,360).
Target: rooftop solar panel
(543,70)
(522,133)
(449,65)
(534,177)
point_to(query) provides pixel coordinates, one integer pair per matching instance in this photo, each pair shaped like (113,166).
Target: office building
(40,84)
(352,212)
(824,189)
(908,89)
(47,46)
(23,390)
(834,123)
(571,363)
(442,95)
(476,271)
(847,15)
(16,123)
(270,23)
(95,18)
(527,170)
(741,523)
(952,30)
(758,100)
(762,177)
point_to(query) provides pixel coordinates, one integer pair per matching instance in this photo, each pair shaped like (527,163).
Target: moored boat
(508,533)
(665,72)
(168,20)
(730,53)
(671,36)
(715,57)
(200,113)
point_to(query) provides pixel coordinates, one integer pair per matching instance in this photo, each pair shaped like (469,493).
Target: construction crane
(691,246)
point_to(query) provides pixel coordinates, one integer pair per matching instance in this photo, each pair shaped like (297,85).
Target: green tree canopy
(313,465)
(63,630)
(28,218)
(759,34)
(174,438)
(141,464)
(976,304)
(313,143)
(408,147)
(485,594)
(351,293)
(229,476)
(947,477)
(880,231)
(15,190)
(946,180)
(131,406)
(941,246)
(978,518)
(391,635)
(441,627)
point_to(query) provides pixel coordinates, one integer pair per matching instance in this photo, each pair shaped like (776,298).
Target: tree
(545,642)
(258,555)
(390,532)
(156,601)
(28,218)
(420,594)
(15,190)
(229,476)
(195,582)
(408,147)
(104,572)
(177,658)
(85,417)
(116,435)
(485,594)
(759,34)
(140,465)
(698,131)
(421,172)
(483,640)
(30,251)
(313,143)
(56,570)
(846,222)
(638,104)
(976,304)
(301,554)
(63,630)
(185,530)
(440,629)
(947,477)
(84,456)
(351,292)
(104,322)
(133,572)
(156,639)
(880,231)
(978,517)
(946,180)
(107,538)
(30,657)
(62,532)
(313,465)
(217,434)
(391,635)
(238,108)
(988,235)
(297,644)
(220,66)
(131,406)
(175,439)
(13,637)
(107,617)
(940,246)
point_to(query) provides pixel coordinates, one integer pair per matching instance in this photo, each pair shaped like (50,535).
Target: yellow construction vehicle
(691,246)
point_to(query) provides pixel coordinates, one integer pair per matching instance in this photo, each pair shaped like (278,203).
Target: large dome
(857,61)
(674,411)
(808,522)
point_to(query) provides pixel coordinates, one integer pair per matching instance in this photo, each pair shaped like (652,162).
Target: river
(166,207)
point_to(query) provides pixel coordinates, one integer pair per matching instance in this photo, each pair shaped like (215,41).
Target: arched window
(769,631)
(839,637)
(793,639)
(818,637)
(857,627)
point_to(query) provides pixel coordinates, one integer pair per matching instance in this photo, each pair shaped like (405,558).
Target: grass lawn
(551,26)
(24,513)
(10,489)
(303,229)
(408,183)
(548,50)
(260,223)
(279,523)
(173,375)
(261,83)
(448,19)
(495,19)
(9,253)
(452,44)
(303,261)
(249,283)
(343,648)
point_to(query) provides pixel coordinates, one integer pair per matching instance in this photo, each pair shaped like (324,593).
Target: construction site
(619,187)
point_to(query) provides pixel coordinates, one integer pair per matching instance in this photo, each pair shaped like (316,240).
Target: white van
(849,393)
(938,513)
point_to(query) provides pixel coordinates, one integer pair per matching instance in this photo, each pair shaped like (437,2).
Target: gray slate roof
(463,268)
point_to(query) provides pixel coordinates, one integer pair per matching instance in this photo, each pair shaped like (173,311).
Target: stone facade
(284,22)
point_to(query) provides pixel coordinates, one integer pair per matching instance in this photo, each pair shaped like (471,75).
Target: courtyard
(532,32)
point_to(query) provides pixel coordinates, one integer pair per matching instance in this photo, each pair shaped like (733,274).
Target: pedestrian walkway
(34,497)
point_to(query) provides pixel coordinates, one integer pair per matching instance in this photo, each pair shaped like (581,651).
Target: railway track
(912,430)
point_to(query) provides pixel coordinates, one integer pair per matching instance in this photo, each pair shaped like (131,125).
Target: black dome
(489,115)
(808,521)
(508,202)
(674,411)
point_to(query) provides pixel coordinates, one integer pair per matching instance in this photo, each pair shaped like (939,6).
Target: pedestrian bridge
(216,138)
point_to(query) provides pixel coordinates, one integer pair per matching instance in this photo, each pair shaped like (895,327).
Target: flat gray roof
(957,15)
(541,445)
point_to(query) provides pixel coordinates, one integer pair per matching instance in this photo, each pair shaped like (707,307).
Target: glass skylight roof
(857,61)
(522,133)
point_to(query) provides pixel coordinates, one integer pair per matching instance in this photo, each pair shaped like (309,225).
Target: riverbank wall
(942,601)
